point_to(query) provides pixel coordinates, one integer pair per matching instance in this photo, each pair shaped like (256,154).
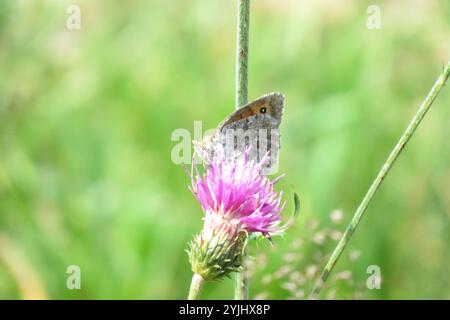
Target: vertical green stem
(440,82)
(243,23)
(196,286)
(241,280)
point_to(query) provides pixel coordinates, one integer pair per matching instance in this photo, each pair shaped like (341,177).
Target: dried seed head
(311,271)
(354,255)
(261,296)
(343,275)
(289,286)
(281,272)
(297,243)
(299,294)
(319,238)
(290,257)
(335,235)
(336,216)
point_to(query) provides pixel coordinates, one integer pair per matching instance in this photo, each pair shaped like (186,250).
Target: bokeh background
(86,118)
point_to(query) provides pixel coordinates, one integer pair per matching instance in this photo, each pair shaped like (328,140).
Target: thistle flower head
(235,190)
(237,200)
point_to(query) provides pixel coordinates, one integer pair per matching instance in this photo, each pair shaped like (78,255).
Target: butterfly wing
(266,110)
(256,124)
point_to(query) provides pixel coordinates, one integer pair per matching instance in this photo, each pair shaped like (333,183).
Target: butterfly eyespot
(263,110)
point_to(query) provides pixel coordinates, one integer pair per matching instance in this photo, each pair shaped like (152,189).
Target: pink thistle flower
(237,201)
(235,190)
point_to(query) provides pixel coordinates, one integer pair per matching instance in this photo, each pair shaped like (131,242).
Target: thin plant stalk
(418,117)
(196,286)
(243,23)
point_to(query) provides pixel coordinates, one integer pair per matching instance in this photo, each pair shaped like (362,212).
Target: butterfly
(255,124)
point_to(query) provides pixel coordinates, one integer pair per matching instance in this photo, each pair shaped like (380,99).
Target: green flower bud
(217,250)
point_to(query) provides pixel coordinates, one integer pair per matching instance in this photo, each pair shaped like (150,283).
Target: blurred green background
(86,117)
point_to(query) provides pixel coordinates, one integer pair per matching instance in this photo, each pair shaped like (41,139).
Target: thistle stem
(196,286)
(418,117)
(243,23)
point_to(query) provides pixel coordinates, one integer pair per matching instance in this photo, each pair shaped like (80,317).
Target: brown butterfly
(265,112)
(256,124)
